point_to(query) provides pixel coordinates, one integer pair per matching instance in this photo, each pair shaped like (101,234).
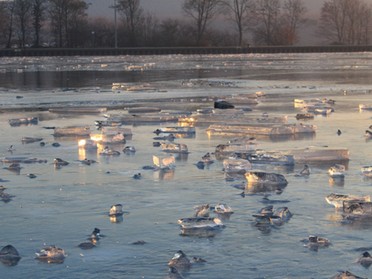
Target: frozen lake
(62,206)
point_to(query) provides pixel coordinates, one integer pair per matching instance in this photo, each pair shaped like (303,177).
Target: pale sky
(169,8)
(160,8)
(172,8)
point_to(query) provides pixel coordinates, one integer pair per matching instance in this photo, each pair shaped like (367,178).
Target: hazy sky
(172,8)
(161,8)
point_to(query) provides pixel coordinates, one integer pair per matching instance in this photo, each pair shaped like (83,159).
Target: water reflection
(25,121)
(336,181)
(272,138)
(274,167)
(357,222)
(335,217)
(166,174)
(295,137)
(200,232)
(9,256)
(224,216)
(69,138)
(55,78)
(10,261)
(116,219)
(325,165)
(255,188)
(181,157)
(14,168)
(235,176)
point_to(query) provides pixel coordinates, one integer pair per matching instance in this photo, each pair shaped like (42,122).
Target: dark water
(66,72)
(52,80)
(76,79)
(62,206)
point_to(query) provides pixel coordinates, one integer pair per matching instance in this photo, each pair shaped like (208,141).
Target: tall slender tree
(364,24)
(22,16)
(38,12)
(2,24)
(240,12)
(76,19)
(132,13)
(104,31)
(333,20)
(68,18)
(169,32)
(267,17)
(4,21)
(292,15)
(346,21)
(149,30)
(56,8)
(9,7)
(201,12)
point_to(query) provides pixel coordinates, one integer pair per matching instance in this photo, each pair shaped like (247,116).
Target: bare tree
(3,20)
(358,18)
(364,24)
(149,30)
(66,17)
(332,20)
(345,21)
(240,13)
(220,38)
(22,16)
(103,31)
(56,13)
(77,24)
(133,16)
(267,17)
(169,32)
(202,12)
(38,11)
(6,22)
(293,13)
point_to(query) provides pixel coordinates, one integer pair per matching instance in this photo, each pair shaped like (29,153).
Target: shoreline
(179,50)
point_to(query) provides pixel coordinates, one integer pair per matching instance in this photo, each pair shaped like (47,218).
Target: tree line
(65,23)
